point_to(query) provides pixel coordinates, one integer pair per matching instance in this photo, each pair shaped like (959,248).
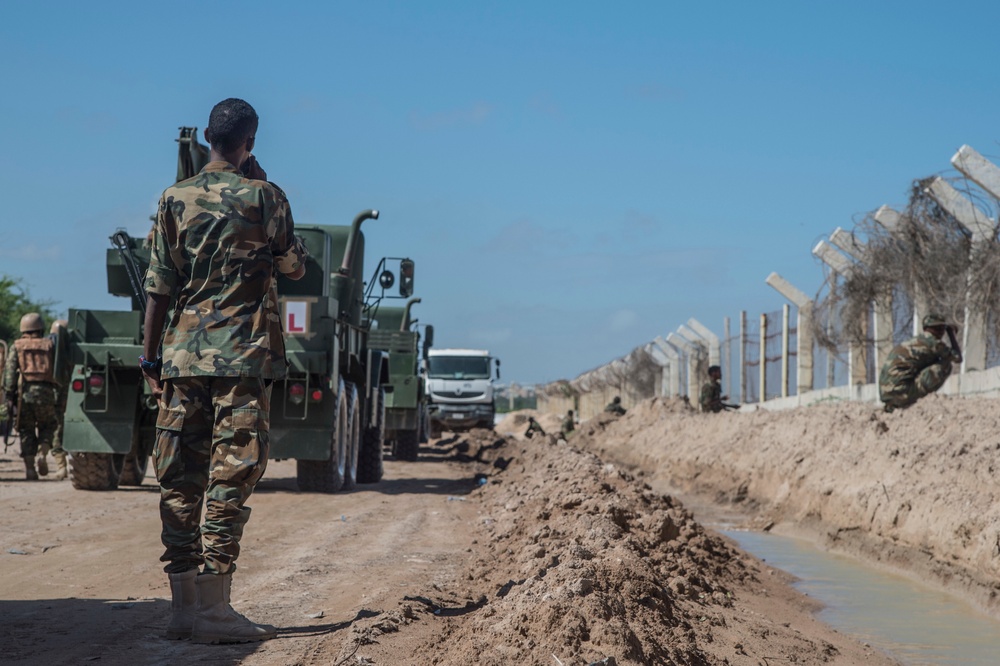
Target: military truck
(328,414)
(406,402)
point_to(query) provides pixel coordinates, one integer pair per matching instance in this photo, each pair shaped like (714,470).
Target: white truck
(460,388)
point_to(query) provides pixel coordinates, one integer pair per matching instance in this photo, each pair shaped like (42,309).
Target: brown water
(913,623)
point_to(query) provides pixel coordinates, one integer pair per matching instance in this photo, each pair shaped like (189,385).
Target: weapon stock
(954,341)
(729,406)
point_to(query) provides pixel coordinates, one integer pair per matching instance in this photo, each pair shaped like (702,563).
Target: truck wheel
(327,476)
(95,471)
(370,465)
(422,426)
(353,437)
(407,445)
(134,469)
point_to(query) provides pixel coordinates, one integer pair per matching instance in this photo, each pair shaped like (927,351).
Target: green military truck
(328,414)
(406,401)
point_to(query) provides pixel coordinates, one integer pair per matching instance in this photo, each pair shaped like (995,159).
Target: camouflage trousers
(904,394)
(211,450)
(37,421)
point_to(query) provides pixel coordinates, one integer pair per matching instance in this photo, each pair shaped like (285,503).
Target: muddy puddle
(914,623)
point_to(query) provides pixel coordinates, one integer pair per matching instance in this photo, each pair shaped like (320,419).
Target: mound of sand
(579,563)
(913,490)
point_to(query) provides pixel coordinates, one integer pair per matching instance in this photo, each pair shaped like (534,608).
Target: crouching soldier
(615,406)
(919,366)
(568,424)
(534,427)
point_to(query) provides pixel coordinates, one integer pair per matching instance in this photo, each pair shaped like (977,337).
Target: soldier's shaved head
(231,123)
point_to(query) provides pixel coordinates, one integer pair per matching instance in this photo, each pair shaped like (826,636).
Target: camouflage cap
(933,319)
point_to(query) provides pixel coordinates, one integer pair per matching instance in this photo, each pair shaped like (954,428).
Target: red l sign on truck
(296,317)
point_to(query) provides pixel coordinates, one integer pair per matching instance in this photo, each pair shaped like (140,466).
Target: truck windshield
(458,367)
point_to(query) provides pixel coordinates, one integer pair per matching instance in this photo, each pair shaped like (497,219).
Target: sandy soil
(912,491)
(485,551)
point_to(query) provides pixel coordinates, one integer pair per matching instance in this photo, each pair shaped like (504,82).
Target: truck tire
(370,465)
(95,471)
(327,476)
(423,426)
(353,437)
(134,469)
(407,445)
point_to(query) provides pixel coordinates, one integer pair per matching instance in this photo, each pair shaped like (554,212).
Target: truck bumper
(461,416)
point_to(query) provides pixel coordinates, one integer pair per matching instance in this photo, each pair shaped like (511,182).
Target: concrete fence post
(785,316)
(763,359)
(743,356)
(982,229)
(803,326)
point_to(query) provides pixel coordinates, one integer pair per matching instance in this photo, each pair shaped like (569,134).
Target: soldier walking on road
(919,366)
(568,424)
(62,395)
(615,407)
(29,382)
(711,398)
(219,240)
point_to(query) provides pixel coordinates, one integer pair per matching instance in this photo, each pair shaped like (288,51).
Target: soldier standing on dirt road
(29,382)
(919,366)
(62,396)
(711,398)
(219,240)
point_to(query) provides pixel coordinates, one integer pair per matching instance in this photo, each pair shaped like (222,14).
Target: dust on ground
(488,550)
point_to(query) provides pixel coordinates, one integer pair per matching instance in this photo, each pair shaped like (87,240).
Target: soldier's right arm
(161,276)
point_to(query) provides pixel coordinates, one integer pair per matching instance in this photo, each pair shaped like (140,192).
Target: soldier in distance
(615,407)
(29,382)
(919,366)
(221,350)
(568,424)
(711,399)
(533,428)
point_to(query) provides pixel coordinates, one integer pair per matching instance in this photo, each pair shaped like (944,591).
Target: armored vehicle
(328,414)
(406,403)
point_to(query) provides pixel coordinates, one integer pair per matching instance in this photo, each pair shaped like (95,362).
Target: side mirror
(386,280)
(406,267)
(498,367)
(429,335)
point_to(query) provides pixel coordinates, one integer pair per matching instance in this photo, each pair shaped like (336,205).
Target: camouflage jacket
(11,370)
(710,397)
(908,359)
(218,240)
(568,425)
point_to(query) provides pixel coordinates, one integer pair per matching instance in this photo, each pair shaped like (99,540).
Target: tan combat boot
(29,468)
(61,471)
(183,603)
(43,463)
(215,621)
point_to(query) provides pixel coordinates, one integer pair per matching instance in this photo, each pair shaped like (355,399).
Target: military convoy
(406,418)
(329,413)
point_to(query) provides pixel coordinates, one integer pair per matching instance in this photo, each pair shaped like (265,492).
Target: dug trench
(488,550)
(913,492)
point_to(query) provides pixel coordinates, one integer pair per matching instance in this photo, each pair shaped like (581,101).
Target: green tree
(15,302)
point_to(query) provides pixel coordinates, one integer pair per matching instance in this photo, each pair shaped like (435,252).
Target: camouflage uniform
(615,407)
(919,366)
(568,426)
(37,420)
(218,240)
(710,397)
(533,427)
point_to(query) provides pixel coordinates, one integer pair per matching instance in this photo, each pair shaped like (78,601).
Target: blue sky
(572,179)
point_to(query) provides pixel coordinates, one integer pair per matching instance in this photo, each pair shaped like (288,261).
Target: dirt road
(556,558)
